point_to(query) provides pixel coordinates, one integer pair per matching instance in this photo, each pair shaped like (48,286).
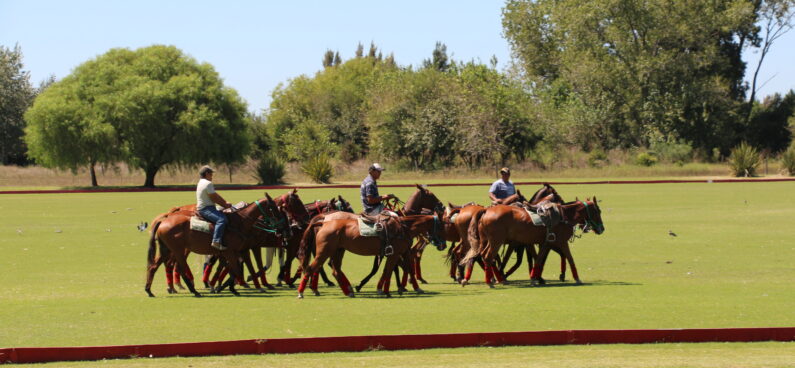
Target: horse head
(290,204)
(547,192)
(423,198)
(430,225)
(588,215)
(268,216)
(343,205)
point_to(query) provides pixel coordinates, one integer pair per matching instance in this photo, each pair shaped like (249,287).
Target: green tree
(159,106)
(617,72)
(16,95)
(439,59)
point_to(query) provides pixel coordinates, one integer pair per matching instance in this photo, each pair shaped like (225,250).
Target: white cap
(376,166)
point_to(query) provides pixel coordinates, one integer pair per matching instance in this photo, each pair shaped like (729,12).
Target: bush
(788,160)
(646,159)
(744,160)
(318,168)
(597,158)
(270,170)
(677,153)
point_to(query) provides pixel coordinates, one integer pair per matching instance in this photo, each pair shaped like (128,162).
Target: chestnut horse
(175,238)
(494,226)
(336,236)
(422,201)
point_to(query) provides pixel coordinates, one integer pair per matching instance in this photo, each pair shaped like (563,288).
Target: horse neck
(412,205)
(418,224)
(571,212)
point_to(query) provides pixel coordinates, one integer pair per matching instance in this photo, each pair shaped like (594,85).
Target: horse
(314,209)
(336,236)
(246,228)
(422,201)
(500,224)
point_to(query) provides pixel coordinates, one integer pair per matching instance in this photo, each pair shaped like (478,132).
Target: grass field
(73,266)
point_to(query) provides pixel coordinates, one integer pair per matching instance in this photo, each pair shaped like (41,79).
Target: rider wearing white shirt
(206,199)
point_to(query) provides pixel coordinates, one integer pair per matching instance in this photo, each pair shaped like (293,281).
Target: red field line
(396,342)
(350,186)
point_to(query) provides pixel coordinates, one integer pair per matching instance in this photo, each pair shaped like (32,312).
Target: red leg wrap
(314,281)
(302,285)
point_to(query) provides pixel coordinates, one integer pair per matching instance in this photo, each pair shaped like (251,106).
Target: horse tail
(473,236)
(308,240)
(150,256)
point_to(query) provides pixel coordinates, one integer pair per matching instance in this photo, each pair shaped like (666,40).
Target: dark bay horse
(175,239)
(494,226)
(337,236)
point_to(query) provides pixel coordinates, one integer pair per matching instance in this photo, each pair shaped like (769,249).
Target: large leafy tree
(16,95)
(151,107)
(615,72)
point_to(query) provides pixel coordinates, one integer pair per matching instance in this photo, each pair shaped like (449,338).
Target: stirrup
(389,250)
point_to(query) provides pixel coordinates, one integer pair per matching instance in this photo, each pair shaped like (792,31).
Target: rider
(206,199)
(503,191)
(371,201)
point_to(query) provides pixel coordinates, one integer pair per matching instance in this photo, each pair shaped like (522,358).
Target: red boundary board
(396,342)
(349,186)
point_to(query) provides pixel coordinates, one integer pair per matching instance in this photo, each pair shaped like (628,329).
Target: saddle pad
(536,218)
(366,230)
(199,225)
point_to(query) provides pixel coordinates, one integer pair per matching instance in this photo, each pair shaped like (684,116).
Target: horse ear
(268,196)
(576,199)
(419,186)
(295,190)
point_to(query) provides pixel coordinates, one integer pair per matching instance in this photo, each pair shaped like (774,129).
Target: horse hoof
(245,286)
(419,291)
(206,285)
(379,292)
(358,288)
(351,295)
(330,284)
(317,293)
(197,295)
(291,286)
(562,277)
(149,293)
(422,281)
(270,287)
(180,287)
(300,295)
(491,286)
(578,282)
(171,291)
(387,295)
(464,283)
(235,293)
(261,290)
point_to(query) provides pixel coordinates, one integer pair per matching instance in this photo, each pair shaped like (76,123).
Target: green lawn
(73,266)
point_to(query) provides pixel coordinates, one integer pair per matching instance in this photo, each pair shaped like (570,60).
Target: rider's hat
(205,170)
(505,170)
(376,167)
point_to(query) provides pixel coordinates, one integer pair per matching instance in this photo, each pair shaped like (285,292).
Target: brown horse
(422,201)
(336,236)
(245,229)
(494,226)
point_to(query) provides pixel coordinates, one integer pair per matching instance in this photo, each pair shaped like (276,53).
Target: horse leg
(325,278)
(336,269)
(235,271)
(531,256)
(538,268)
(389,267)
(261,273)
(250,267)
(418,266)
(567,255)
(506,256)
(170,271)
(398,281)
(406,265)
(562,276)
(182,266)
(376,263)
(151,269)
(519,256)
(208,268)
(311,271)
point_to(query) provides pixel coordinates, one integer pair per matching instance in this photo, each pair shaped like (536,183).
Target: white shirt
(203,191)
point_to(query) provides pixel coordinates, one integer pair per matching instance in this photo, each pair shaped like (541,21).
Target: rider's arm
(378,199)
(494,199)
(219,200)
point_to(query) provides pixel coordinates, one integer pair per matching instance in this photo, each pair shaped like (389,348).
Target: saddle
(199,223)
(235,207)
(545,214)
(385,226)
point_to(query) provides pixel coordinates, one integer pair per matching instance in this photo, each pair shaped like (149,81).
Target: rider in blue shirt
(371,200)
(503,191)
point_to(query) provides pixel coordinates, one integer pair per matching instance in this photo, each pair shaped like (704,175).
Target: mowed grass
(707,355)
(73,271)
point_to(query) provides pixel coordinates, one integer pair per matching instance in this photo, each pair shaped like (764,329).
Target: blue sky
(255,45)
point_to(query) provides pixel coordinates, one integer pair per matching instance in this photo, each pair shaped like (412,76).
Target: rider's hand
(227,205)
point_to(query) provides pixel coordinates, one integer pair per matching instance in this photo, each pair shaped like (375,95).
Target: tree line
(597,75)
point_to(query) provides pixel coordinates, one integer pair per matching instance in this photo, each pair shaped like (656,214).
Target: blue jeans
(218,218)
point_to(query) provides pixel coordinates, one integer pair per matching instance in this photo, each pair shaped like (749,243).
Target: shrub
(788,160)
(744,160)
(673,152)
(646,159)
(318,168)
(597,158)
(270,170)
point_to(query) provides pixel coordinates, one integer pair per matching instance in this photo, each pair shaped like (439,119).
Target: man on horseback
(206,199)
(371,200)
(503,191)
